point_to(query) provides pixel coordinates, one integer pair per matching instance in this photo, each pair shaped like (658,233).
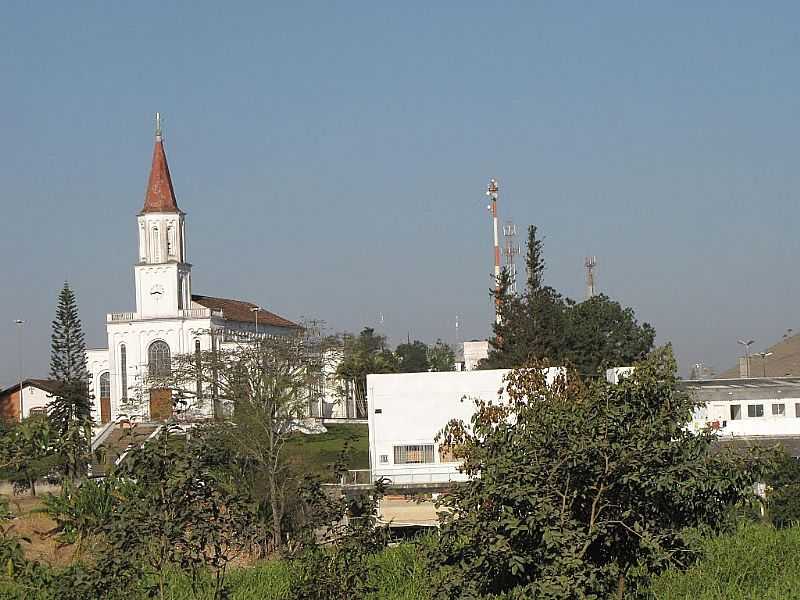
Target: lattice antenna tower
(511,250)
(590,263)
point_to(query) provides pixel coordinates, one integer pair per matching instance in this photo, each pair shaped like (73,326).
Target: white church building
(169,319)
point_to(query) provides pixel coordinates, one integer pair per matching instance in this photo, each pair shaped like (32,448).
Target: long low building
(754,408)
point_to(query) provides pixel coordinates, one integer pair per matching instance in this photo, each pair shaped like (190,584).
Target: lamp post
(746,354)
(763,356)
(255,310)
(19,323)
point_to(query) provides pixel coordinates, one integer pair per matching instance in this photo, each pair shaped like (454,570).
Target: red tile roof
(239,310)
(160,196)
(48,385)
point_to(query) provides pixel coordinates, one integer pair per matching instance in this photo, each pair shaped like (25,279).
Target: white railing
(187,313)
(420,476)
(195,313)
(121,316)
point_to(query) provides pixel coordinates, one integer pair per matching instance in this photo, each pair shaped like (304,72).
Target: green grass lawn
(318,453)
(755,562)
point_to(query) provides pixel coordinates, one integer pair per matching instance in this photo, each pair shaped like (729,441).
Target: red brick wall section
(9,406)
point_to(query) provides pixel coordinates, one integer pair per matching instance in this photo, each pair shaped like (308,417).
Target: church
(169,319)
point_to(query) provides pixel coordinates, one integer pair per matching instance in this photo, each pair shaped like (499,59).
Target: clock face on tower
(157,291)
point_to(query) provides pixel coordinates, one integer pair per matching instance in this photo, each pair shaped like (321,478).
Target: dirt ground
(33,524)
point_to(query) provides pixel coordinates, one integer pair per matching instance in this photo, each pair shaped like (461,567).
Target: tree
(441,357)
(531,324)
(336,559)
(362,355)
(600,333)
(27,452)
(170,512)
(540,324)
(70,410)
(270,385)
(581,490)
(413,357)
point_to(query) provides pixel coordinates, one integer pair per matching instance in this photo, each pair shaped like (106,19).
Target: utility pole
(746,345)
(19,323)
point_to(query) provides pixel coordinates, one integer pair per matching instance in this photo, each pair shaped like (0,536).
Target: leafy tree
(783,491)
(70,409)
(171,512)
(540,324)
(441,357)
(600,333)
(336,556)
(413,357)
(270,386)
(362,355)
(28,452)
(581,490)
(531,324)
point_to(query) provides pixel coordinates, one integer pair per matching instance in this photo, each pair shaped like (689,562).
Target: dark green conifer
(70,408)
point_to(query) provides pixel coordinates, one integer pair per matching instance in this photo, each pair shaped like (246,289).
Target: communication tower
(511,250)
(590,263)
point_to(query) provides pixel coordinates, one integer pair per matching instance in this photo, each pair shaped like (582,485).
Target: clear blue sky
(332,158)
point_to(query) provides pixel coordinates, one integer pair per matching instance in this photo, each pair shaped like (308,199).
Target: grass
(318,453)
(756,562)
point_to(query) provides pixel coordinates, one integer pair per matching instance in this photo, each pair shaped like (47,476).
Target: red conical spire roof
(160,197)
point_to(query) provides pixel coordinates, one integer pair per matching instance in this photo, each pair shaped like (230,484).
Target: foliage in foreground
(584,492)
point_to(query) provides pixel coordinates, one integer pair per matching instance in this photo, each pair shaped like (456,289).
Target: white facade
(474,352)
(33,398)
(167,321)
(408,410)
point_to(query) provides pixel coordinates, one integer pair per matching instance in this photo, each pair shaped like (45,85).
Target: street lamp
(255,310)
(763,356)
(19,323)
(747,354)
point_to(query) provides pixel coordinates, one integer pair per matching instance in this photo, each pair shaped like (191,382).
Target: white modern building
(408,410)
(168,319)
(748,408)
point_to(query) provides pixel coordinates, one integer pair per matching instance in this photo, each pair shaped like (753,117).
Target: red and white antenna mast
(492,192)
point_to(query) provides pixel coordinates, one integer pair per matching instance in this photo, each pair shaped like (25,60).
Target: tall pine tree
(532,323)
(70,409)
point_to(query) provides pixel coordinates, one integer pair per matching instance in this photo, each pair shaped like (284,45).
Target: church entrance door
(105,409)
(160,404)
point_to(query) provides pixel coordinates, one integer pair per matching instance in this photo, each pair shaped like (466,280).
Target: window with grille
(755,410)
(40,411)
(158,359)
(105,385)
(414,454)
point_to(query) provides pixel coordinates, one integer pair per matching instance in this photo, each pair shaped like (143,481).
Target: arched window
(105,385)
(123,370)
(158,359)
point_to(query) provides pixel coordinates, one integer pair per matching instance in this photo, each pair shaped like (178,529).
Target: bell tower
(163,276)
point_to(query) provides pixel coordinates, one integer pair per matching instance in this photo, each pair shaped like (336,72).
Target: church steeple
(160,195)
(163,275)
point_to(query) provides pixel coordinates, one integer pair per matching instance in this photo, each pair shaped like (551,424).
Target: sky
(333,159)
